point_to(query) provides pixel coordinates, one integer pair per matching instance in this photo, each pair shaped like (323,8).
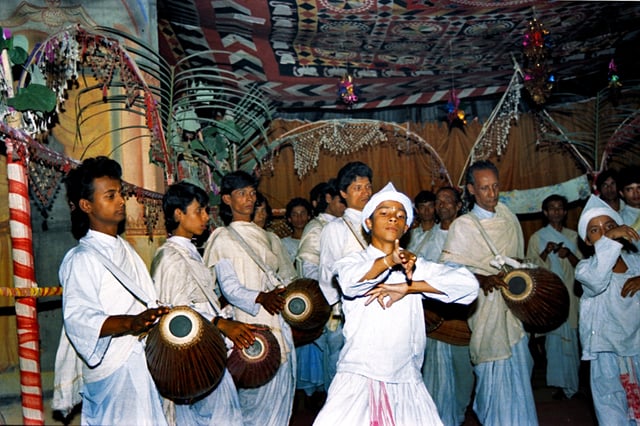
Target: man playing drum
(102,318)
(250,264)
(499,344)
(182,278)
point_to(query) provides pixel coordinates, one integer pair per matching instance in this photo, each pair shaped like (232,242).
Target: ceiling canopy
(409,52)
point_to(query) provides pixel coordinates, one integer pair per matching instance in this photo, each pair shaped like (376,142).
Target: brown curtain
(523,165)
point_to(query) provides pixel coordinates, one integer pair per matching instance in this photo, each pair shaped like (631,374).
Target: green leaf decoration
(18,55)
(34,97)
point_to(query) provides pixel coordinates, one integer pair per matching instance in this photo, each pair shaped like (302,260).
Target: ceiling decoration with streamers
(402,52)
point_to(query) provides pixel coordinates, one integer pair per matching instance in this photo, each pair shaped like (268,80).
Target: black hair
(79,184)
(628,176)
(604,175)
(350,171)
(179,196)
(260,200)
(424,197)
(295,202)
(327,188)
(230,182)
(555,197)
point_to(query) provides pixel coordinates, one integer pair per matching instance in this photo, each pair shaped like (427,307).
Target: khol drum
(306,310)
(537,297)
(256,365)
(447,322)
(186,355)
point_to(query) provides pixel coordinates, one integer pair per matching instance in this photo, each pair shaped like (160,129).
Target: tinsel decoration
(614,83)
(538,78)
(347,91)
(45,182)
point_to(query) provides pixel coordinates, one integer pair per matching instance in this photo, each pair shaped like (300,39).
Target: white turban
(595,207)
(388,193)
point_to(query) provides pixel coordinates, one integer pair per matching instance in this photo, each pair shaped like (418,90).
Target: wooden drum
(306,310)
(186,355)
(305,307)
(256,365)
(447,322)
(537,297)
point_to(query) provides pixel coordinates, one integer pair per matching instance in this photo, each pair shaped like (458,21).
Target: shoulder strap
(208,293)
(484,234)
(271,274)
(355,234)
(121,276)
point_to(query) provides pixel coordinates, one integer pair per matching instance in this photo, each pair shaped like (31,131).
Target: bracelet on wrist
(216,320)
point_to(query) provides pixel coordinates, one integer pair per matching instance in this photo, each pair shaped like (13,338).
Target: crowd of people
(372,362)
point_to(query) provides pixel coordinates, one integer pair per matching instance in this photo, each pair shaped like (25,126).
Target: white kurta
(179,273)
(241,280)
(308,256)
(118,388)
(381,359)
(609,328)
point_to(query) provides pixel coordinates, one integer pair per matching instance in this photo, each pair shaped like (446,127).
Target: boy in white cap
(378,379)
(610,313)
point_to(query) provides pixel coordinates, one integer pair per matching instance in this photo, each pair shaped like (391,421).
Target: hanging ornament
(347,90)
(455,115)
(614,83)
(538,78)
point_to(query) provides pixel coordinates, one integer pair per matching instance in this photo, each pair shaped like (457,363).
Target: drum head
(186,355)
(519,285)
(256,365)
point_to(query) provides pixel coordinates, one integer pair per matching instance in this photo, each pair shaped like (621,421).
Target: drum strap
(357,236)
(273,277)
(208,293)
(121,276)
(500,261)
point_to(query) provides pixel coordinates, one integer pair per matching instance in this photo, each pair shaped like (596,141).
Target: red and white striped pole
(24,277)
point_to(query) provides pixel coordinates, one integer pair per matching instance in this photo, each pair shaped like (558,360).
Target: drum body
(256,365)
(447,322)
(537,297)
(306,310)
(305,307)
(186,355)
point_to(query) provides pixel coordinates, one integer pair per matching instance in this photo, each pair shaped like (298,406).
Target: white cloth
(291,244)
(179,274)
(336,241)
(608,321)
(595,207)
(241,280)
(387,345)
(494,328)
(388,193)
(118,388)
(430,246)
(308,256)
